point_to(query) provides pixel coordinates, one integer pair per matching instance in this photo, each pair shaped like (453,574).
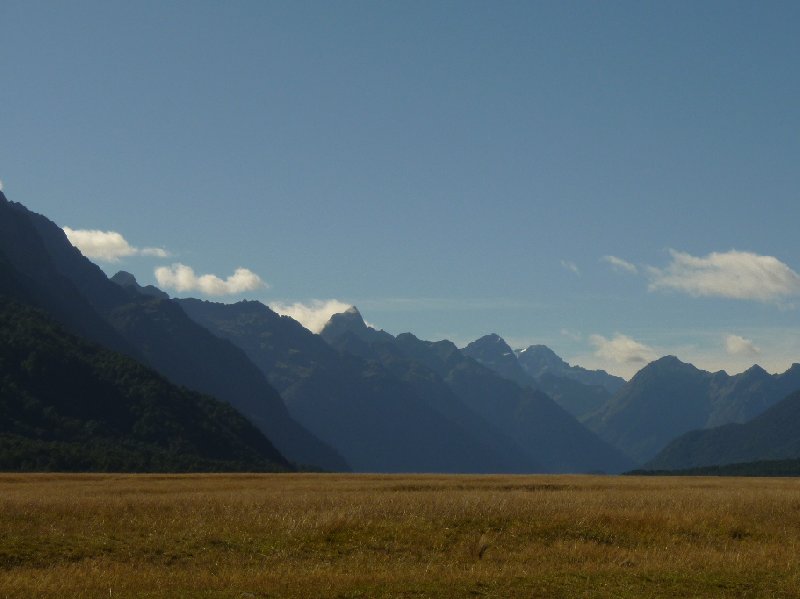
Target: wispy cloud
(732,274)
(620,265)
(182,278)
(313,315)
(736,345)
(107,246)
(622,349)
(1,185)
(571,266)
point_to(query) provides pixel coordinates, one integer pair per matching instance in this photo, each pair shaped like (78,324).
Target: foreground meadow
(314,535)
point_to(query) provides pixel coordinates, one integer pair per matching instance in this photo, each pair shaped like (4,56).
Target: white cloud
(107,246)
(620,265)
(1,185)
(732,274)
(571,266)
(158,252)
(182,278)
(313,315)
(622,349)
(774,348)
(736,345)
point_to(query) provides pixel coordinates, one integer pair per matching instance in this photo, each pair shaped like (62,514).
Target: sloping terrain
(380,421)
(668,398)
(530,418)
(57,278)
(771,436)
(68,404)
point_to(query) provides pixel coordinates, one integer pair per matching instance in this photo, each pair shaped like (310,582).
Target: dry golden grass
(397,536)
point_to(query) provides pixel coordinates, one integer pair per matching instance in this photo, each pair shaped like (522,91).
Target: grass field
(397,536)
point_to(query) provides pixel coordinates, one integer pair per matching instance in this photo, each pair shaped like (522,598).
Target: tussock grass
(316,535)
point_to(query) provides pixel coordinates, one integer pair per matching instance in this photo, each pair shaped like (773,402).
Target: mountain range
(321,406)
(70,404)
(379,421)
(392,402)
(529,417)
(668,398)
(102,373)
(772,435)
(579,391)
(42,268)
(539,361)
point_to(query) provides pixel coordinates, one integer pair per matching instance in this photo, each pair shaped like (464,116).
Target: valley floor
(313,535)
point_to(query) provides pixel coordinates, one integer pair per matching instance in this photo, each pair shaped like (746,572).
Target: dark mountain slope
(77,293)
(32,277)
(741,397)
(68,404)
(664,399)
(191,355)
(579,399)
(378,421)
(127,280)
(668,398)
(431,386)
(530,418)
(771,436)
(536,421)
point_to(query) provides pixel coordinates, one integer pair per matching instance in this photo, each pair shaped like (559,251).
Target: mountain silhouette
(769,436)
(539,360)
(55,276)
(69,404)
(529,417)
(578,398)
(668,398)
(379,420)
(493,352)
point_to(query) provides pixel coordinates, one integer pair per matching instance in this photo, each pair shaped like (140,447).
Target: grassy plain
(314,535)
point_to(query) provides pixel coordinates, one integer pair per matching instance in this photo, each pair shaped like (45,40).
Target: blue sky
(452,168)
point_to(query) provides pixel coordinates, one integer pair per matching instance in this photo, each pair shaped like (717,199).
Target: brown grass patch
(315,535)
